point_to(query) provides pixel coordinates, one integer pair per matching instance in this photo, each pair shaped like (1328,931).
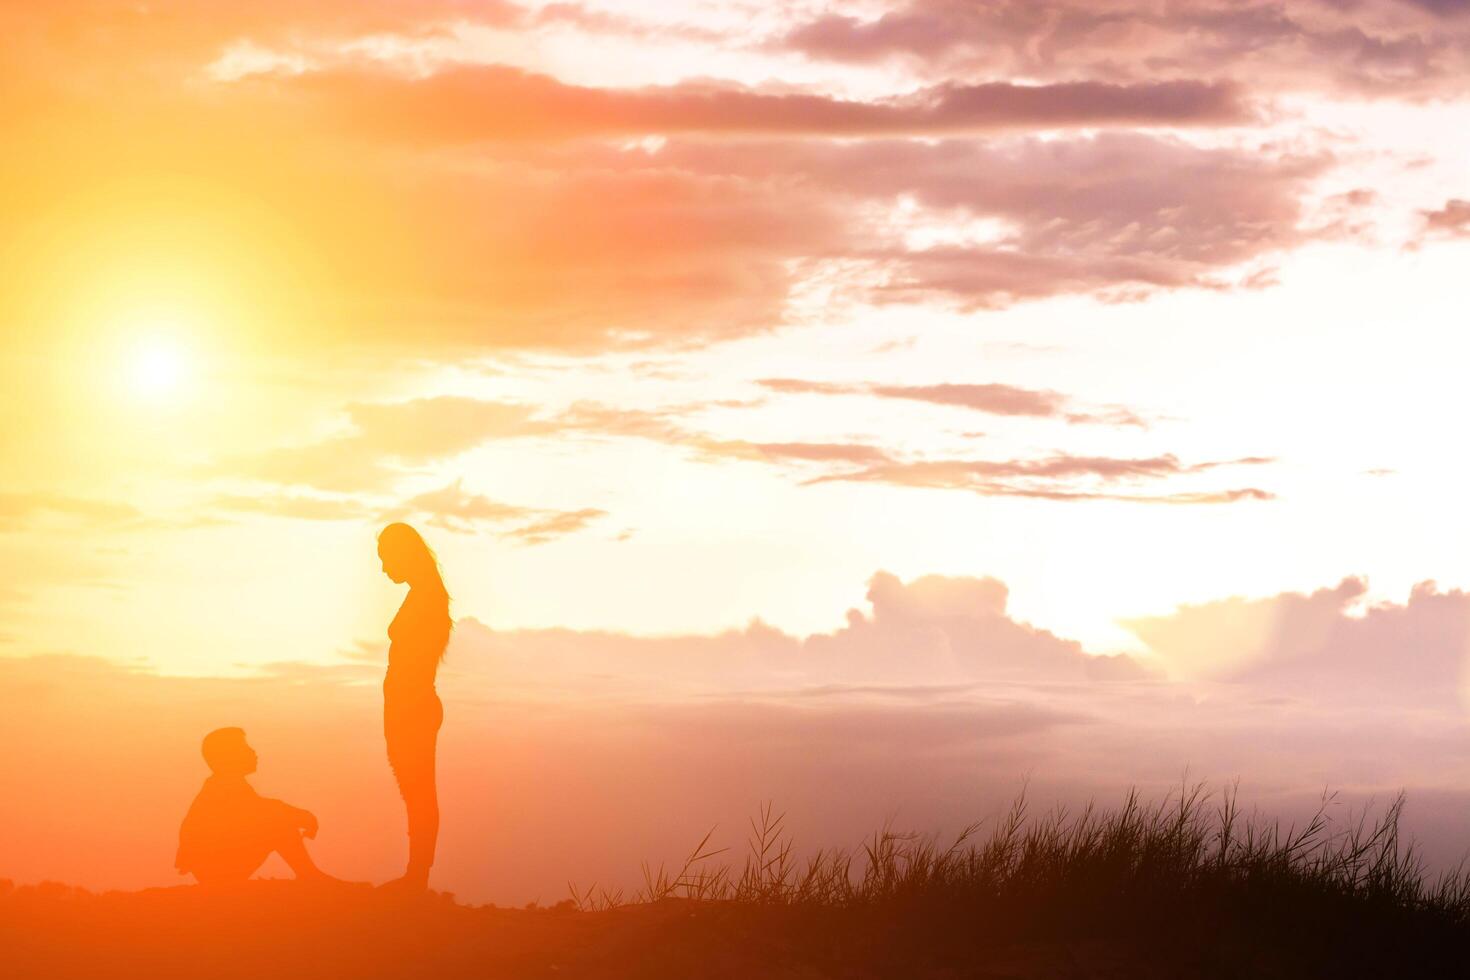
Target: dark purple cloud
(1119,215)
(1412,47)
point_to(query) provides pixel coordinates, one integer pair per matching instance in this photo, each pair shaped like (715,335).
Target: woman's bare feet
(412,882)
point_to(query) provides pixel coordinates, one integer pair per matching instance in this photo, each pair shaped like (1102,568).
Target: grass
(1189,881)
(1185,845)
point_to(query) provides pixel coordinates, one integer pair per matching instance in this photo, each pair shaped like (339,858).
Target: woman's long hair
(420,562)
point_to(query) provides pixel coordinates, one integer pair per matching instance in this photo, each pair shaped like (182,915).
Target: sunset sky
(722,347)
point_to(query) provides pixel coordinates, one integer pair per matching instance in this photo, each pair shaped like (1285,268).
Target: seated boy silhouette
(230,829)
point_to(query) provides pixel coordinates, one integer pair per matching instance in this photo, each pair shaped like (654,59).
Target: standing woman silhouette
(412,712)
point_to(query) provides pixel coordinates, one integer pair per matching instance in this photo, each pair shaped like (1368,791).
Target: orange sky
(663,320)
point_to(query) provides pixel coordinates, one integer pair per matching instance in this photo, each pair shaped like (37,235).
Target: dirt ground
(279,929)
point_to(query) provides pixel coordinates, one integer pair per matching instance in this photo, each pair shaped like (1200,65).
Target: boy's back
(227,822)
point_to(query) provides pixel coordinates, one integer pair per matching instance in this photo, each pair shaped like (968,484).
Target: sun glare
(158,370)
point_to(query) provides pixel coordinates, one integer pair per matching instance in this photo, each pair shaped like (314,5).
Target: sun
(158,370)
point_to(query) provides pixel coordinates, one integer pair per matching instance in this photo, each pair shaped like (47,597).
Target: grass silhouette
(1187,887)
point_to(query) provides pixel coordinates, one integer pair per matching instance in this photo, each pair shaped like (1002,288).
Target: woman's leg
(413,736)
(423,816)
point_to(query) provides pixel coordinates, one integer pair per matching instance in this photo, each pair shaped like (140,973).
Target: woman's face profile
(392,564)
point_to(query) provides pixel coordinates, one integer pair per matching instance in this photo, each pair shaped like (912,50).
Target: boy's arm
(308,822)
(303,820)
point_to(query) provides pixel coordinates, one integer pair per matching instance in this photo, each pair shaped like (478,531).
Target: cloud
(372,458)
(1450,221)
(994,399)
(1119,215)
(1403,48)
(547,529)
(813,452)
(20,509)
(596,21)
(342,464)
(423,429)
(1060,477)
(352,244)
(364,199)
(100,33)
(1322,645)
(295,506)
(696,239)
(1442,8)
(390,441)
(665,426)
(468,104)
(456,509)
(450,507)
(385,442)
(1221,636)
(960,627)
(932,630)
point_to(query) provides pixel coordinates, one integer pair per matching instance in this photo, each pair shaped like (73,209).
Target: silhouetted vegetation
(1186,888)
(1189,884)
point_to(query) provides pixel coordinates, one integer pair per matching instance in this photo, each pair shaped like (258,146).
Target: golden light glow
(158,370)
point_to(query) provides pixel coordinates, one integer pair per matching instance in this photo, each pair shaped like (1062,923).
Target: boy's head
(227,753)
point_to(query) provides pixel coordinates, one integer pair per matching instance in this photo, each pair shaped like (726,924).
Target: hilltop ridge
(281,929)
